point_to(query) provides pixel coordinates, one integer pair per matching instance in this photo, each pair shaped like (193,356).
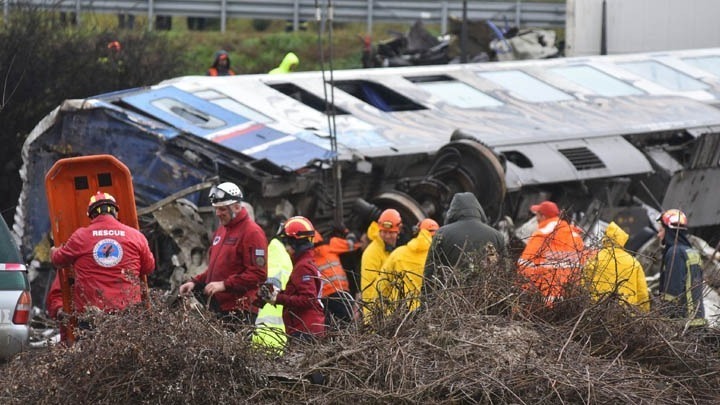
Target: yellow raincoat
(615,270)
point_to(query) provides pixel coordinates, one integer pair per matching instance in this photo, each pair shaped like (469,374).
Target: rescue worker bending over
(553,256)
(237,262)
(302,311)
(108,258)
(681,275)
(383,235)
(403,270)
(288,64)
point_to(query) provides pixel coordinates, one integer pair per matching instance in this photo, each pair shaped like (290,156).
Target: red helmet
(430,225)
(390,220)
(97,203)
(298,228)
(673,219)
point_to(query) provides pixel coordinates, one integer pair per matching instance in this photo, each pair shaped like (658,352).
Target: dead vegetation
(481,340)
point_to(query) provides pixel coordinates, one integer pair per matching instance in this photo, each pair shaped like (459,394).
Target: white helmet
(225,194)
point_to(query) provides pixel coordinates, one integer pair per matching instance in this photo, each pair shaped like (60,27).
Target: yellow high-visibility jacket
(270,329)
(615,270)
(403,270)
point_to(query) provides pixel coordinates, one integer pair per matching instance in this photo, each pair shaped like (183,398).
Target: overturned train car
(599,135)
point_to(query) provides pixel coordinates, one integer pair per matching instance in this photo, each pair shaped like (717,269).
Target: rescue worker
(681,274)
(383,236)
(237,263)
(553,256)
(221,65)
(615,271)
(108,258)
(288,64)
(462,243)
(340,307)
(270,329)
(403,270)
(302,311)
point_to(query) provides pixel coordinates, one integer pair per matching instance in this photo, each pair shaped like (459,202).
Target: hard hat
(673,219)
(430,225)
(225,194)
(98,201)
(298,228)
(390,220)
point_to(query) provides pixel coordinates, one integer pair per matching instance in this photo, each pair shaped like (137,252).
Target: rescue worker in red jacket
(336,298)
(553,256)
(302,311)
(221,65)
(237,263)
(108,258)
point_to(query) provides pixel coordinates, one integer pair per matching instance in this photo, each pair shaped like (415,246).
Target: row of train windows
(463,95)
(521,84)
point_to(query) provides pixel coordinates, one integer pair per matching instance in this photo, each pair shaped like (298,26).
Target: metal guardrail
(519,13)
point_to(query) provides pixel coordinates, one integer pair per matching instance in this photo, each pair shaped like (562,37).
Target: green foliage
(43,62)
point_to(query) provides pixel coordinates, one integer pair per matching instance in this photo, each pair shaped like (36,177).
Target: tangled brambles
(481,339)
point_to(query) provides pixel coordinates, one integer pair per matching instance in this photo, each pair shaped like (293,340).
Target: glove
(268,293)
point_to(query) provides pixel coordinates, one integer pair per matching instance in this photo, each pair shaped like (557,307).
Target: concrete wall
(642,25)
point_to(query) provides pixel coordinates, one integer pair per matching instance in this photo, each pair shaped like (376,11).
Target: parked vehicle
(15,301)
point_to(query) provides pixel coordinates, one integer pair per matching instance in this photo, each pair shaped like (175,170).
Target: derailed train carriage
(608,138)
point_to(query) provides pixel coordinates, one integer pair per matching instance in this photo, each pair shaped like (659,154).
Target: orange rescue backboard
(71,182)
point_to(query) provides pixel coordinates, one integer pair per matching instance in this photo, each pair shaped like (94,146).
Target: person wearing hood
(288,64)
(383,235)
(403,270)
(553,256)
(462,243)
(681,275)
(614,271)
(221,65)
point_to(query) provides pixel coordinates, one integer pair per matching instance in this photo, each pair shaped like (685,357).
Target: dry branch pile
(481,340)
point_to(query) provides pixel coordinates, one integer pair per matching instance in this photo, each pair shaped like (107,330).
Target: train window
(454,92)
(377,95)
(187,113)
(709,64)
(596,81)
(230,104)
(664,75)
(525,87)
(305,97)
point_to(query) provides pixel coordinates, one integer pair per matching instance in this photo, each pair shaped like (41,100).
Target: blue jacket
(681,278)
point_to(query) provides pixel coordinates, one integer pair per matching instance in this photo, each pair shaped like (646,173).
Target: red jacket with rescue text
(108,258)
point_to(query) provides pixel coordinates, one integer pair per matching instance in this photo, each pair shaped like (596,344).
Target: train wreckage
(607,137)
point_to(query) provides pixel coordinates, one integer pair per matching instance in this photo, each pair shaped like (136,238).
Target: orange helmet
(390,220)
(430,225)
(673,219)
(298,228)
(100,203)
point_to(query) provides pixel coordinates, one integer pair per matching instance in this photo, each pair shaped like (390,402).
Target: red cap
(546,208)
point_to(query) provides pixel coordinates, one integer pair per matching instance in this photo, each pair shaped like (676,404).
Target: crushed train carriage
(600,135)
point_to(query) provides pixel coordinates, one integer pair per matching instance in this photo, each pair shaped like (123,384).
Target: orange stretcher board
(69,184)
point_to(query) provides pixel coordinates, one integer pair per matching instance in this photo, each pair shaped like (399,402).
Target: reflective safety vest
(327,260)
(269,326)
